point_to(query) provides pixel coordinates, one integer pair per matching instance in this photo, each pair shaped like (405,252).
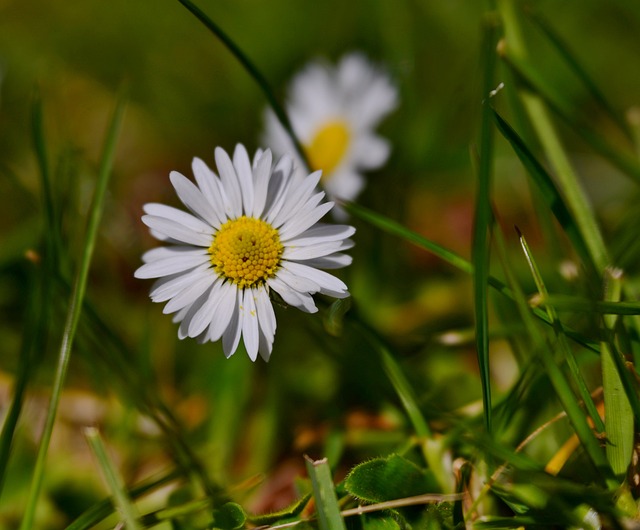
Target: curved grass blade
(569,403)
(550,193)
(253,72)
(482,222)
(105,508)
(73,314)
(395,228)
(572,62)
(575,303)
(113,479)
(569,184)
(324,493)
(532,79)
(567,354)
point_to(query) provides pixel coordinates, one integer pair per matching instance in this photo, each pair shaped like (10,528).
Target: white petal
(261,175)
(159,253)
(295,281)
(245,177)
(171,265)
(224,311)
(328,283)
(193,199)
(205,315)
(300,223)
(370,151)
(302,301)
(296,197)
(169,286)
(190,294)
(229,181)
(231,336)
(321,233)
(183,330)
(335,261)
(266,315)
(315,251)
(249,318)
(197,233)
(211,188)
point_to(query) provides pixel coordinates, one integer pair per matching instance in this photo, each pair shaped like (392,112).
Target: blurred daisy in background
(252,229)
(333,112)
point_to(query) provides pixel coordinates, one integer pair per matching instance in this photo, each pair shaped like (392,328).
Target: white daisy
(333,112)
(251,230)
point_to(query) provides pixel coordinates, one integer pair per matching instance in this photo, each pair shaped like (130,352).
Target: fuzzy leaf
(385,479)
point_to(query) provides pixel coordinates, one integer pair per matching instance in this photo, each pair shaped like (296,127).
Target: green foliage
(478,377)
(389,478)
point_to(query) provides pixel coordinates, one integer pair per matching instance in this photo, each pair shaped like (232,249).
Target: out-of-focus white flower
(333,112)
(251,230)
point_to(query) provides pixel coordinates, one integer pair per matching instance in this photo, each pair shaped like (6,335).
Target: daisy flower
(334,111)
(252,230)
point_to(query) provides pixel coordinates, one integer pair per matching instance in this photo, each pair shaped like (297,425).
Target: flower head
(252,229)
(334,112)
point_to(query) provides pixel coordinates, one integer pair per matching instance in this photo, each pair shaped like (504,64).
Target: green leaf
(386,479)
(229,516)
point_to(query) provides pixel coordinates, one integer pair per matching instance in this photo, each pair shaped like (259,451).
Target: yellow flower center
(246,251)
(328,147)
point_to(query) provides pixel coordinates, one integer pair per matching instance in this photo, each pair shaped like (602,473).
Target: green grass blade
(73,314)
(564,348)
(575,303)
(430,447)
(482,222)
(563,390)
(128,512)
(102,510)
(324,493)
(394,228)
(618,415)
(533,81)
(548,189)
(569,185)
(253,72)
(572,62)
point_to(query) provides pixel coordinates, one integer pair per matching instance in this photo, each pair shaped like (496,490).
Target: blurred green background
(188,95)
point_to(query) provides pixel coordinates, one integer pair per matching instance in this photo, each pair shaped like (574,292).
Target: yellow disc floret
(246,251)
(328,146)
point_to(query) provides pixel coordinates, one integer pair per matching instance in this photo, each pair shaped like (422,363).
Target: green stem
(252,71)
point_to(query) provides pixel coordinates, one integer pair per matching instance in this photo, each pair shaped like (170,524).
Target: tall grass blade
(73,314)
(128,512)
(395,228)
(576,199)
(572,62)
(533,81)
(618,415)
(482,222)
(547,187)
(329,517)
(562,343)
(253,72)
